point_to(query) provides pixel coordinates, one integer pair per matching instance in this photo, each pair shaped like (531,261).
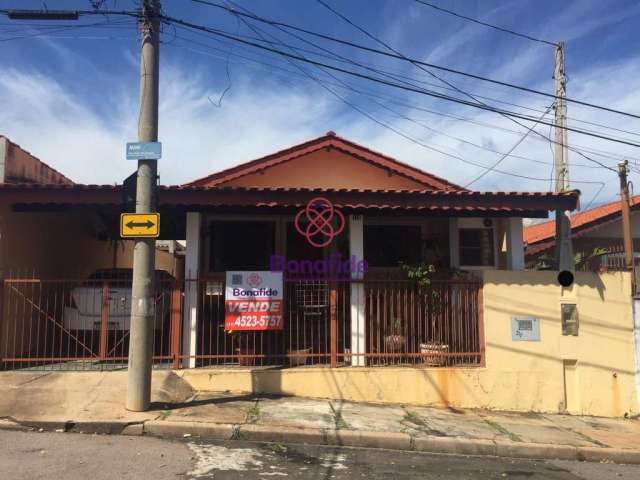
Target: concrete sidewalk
(92,402)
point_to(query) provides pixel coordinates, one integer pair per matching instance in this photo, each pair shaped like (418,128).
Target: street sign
(139,225)
(144,150)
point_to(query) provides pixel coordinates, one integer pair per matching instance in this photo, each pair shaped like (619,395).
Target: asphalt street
(70,456)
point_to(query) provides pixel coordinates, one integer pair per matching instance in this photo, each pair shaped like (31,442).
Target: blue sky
(70,95)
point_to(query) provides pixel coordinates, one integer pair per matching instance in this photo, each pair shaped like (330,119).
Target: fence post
(176,325)
(104,321)
(483,360)
(4,325)
(333,332)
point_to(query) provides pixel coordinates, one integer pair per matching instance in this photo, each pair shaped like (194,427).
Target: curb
(347,438)
(107,428)
(390,441)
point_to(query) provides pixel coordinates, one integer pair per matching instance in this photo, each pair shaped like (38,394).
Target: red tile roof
(329,140)
(463,202)
(580,221)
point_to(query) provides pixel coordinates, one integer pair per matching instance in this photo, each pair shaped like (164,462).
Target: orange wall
(326,169)
(62,245)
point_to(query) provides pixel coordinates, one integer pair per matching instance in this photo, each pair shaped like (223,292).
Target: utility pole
(143,295)
(564,249)
(626,215)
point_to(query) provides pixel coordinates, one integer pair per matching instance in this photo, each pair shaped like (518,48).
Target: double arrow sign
(139,225)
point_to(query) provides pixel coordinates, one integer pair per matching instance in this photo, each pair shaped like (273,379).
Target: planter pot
(347,356)
(302,355)
(246,360)
(394,342)
(433,350)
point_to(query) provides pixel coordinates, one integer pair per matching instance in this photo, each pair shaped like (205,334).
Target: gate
(81,325)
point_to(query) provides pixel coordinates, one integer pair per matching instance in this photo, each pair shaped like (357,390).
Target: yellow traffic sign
(139,225)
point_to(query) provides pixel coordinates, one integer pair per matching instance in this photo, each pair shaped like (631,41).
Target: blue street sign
(144,150)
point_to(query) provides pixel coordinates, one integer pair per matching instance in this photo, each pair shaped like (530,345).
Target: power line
(403,134)
(58,29)
(388,83)
(271,66)
(475,20)
(412,60)
(505,155)
(478,103)
(400,77)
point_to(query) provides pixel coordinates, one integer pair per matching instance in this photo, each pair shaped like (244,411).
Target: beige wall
(524,376)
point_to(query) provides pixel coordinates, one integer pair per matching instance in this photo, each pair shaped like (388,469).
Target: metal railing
(433,325)
(70,324)
(78,325)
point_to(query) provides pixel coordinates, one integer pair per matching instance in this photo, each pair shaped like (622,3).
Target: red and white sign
(253,301)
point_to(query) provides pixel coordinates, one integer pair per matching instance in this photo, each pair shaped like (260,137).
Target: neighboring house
(596,234)
(23,228)
(18,166)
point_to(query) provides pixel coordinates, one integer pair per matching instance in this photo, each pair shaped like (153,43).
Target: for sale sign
(253,301)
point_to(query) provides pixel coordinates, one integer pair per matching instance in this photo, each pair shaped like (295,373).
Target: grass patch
(413,417)
(235,433)
(279,448)
(589,439)
(252,413)
(338,421)
(499,428)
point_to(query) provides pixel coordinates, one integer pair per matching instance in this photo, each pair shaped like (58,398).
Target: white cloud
(262,113)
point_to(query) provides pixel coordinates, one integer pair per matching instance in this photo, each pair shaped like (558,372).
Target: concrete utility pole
(564,249)
(143,301)
(626,215)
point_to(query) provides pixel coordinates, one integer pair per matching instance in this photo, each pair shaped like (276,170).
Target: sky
(69,90)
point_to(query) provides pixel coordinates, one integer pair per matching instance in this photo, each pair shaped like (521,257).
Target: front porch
(374,318)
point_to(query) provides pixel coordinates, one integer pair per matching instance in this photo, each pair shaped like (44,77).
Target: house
(596,235)
(461,324)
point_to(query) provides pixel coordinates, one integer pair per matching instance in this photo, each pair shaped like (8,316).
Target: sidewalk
(92,402)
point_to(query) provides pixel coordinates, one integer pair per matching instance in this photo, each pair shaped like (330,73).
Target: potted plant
(245,352)
(395,340)
(423,274)
(298,356)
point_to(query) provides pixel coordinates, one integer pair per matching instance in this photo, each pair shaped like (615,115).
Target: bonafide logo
(254,280)
(319,229)
(320,222)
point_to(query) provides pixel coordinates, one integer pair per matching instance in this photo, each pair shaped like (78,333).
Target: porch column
(454,251)
(191,274)
(356,247)
(515,245)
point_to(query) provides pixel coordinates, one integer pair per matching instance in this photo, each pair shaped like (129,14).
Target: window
(476,247)
(240,245)
(388,245)
(569,319)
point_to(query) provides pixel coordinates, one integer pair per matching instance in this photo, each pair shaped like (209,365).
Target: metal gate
(71,324)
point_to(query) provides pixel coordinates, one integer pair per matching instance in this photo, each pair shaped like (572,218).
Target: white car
(85,311)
